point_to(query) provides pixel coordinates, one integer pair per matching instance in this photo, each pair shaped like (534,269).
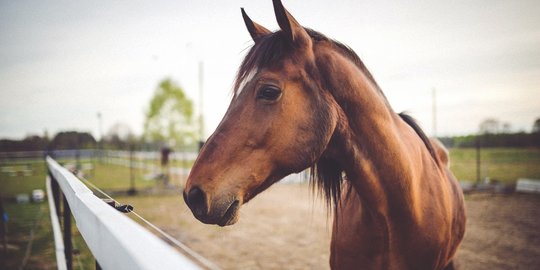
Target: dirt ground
(285,227)
(503,232)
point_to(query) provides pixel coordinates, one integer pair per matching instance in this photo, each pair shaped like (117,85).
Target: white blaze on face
(246,80)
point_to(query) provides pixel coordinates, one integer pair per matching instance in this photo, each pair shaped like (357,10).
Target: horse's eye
(269,92)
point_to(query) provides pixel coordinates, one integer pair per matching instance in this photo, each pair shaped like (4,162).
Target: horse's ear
(255,30)
(288,24)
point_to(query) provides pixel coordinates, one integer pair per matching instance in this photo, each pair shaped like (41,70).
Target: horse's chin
(231,216)
(229,222)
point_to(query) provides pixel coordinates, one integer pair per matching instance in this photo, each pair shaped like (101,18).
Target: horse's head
(278,122)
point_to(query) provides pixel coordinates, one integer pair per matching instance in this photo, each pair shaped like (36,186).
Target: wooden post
(68,246)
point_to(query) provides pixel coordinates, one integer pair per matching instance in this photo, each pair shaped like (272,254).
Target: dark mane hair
(326,174)
(412,122)
(271,48)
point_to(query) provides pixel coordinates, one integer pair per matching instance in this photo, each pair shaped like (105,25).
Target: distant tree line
(61,141)
(72,140)
(116,139)
(31,143)
(84,140)
(494,133)
(520,139)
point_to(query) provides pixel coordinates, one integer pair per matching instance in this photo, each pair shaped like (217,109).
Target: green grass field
(174,163)
(23,218)
(18,177)
(503,164)
(13,181)
(115,177)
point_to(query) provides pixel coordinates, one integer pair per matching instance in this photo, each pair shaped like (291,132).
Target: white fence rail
(57,232)
(116,241)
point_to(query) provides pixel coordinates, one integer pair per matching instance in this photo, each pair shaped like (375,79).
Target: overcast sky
(62,62)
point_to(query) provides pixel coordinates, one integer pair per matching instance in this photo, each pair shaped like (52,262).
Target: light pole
(201,98)
(100,142)
(434,111)
(100,126)
(197,54)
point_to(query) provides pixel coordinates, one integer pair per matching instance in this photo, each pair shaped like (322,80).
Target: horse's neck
(378,151)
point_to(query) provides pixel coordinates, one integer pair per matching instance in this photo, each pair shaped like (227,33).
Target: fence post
(68,246)
(478,160)
(4,226)
(56,194)
(132,190)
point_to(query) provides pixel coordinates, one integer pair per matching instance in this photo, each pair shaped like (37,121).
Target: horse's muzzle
(220,212)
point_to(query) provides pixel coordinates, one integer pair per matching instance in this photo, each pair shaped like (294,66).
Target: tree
(169,118)
(490,126)
(72,140)
(536,126)
(30,143)
(119,136)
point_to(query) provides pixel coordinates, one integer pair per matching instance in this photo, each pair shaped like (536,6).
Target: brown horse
(303,100)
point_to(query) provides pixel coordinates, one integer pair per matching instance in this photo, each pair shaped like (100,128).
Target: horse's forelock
(267,51)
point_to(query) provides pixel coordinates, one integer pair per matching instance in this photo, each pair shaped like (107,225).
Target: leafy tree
(536,126)
(506,128)
(30,143)
(72,140)
(490,126)
(169,118)
(120,136)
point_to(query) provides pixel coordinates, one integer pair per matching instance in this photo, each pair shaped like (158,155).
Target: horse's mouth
(231,215)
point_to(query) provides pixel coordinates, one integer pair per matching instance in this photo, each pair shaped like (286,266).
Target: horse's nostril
(195,196)
(196,200)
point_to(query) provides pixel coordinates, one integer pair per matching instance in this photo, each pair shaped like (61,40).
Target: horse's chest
(361,241)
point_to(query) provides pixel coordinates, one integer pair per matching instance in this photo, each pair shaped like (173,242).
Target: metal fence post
(68,246)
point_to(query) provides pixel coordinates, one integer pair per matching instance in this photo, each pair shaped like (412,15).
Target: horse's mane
(412,122)
(271,48)
(326,174)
